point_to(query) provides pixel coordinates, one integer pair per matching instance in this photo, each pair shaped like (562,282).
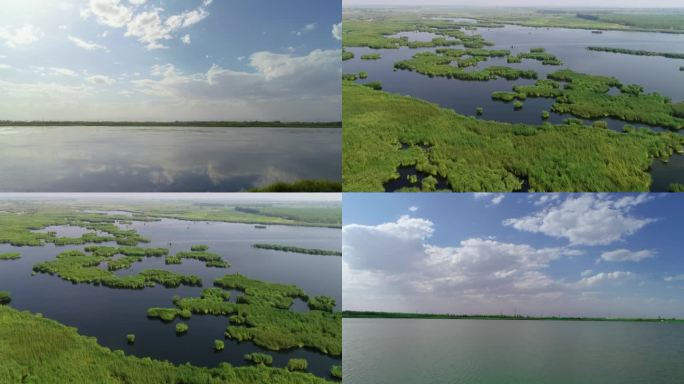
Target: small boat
(260,226)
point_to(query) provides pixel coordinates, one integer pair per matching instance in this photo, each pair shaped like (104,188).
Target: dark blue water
(110,314)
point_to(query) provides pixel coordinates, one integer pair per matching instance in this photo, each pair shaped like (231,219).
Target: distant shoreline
(221,124)
(402,315)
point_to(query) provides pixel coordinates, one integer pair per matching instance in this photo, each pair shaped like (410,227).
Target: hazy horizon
(617,4)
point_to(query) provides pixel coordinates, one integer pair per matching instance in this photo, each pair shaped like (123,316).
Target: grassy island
(441,64)
(289,248)
(346,55)
(261,314)
(130,338)
(10,256)
(476,155)
(210,259)
(371,56)
(259,358)
(39,350)
(182,328)
(219,345)
(336,372)
(77,267)
(634,52)
(297,365)
(5,297)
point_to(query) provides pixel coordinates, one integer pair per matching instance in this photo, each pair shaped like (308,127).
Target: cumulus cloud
(492,198)
(54,71)
(100,80)
(87,45)
(186,39)
(109,12)
(617,276)
(588,219)
(413,208)
(627,255)
(310,27)
(23,35)
(337,31)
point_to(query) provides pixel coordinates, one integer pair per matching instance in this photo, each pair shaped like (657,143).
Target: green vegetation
(538,54)
(181,328)
(130,338)
(259,358)
(375,85)
(440,64)
(477,155)
(302,186)
(288,248)
(5,297)
(479,111)
(167,314)
(10,256)
(210,259)
(635,52)
(39,350)
(676,187)
(322,303)
(371,56)
(217,124)
(346,55)
(219,345)
(297,365)
(545,115)
(586,96)
(261,315)
(336,372)
(400,315)
(349,76)
(77,267)
(363,75)
(517,105)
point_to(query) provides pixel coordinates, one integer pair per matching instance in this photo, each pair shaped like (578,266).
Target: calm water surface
(109,314)
(384,351)
(656,74)
(159,159)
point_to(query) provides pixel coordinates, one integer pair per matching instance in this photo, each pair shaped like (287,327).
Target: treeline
(637,52)
(228,123)
(404,315)
(288,248)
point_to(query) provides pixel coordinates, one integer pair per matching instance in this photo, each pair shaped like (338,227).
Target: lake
(109,314)
(498,351)
(164,159)
(656,74)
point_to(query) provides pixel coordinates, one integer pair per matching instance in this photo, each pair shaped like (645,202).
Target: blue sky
(538,254)
(170,60)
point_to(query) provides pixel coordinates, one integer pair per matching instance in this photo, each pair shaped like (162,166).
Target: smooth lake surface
(384,351)
(164,159)
(110,314)
(656,74)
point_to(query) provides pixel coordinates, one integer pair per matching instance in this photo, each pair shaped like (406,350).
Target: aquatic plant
(371,56)
(545,115)
(181,328)
(130,338)
(199,248)
(336,372)
(349,76)
(517,105)
(346,55)
(440,64)
(10,256)
(5,297)
(363,75)
(322,303)
(259,358)
(219,345)
(479,111)
(376,85)
(637,52)
(297,365)
(289,248)
(209,258)
(675,187)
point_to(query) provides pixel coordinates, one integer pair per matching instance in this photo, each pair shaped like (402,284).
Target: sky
(167,60)
(525,3)
(534,254)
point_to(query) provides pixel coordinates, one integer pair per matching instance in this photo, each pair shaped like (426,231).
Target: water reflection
(134,159)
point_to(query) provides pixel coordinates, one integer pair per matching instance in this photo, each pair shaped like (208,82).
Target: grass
(289,248)
(297,365)
(336,372)
(322,303)
(262,314)
(302,186)
(38,350)
(675,187)
(10,256)
(371,56)
(476,155)
(440,64)
(634,52)
(77,267)
(130,339)
(259,358)
(5,297)
(182,328)
(219,345)
(586,96)
(210,259)
(346,55)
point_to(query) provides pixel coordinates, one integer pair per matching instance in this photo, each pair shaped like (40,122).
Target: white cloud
(498,198)
(100,80)
(413,208)
(586,272)
(587,219)
(54,71)
(186,39)
(5,66)
(109,12)
(23,35)
(493,198)
(337,31)
(627,255)
(671,279)
(137,2)
(63,27)
(602,277)
(310,27)
(87,45)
